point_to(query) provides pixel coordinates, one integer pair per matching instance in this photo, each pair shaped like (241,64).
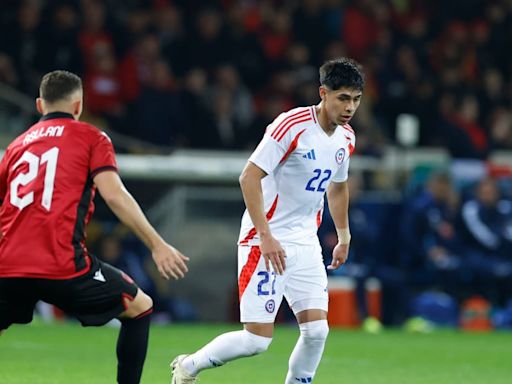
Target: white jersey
(300,160)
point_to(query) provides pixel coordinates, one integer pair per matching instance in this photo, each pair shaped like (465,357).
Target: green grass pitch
(67,353)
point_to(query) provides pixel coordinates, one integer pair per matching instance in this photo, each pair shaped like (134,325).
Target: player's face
(340,104)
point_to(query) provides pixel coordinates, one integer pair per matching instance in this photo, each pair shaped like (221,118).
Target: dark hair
(342,72)
(58,85)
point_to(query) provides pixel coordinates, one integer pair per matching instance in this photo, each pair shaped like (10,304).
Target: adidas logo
(310,155)
(99,276)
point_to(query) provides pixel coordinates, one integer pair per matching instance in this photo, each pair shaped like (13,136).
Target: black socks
(132,345)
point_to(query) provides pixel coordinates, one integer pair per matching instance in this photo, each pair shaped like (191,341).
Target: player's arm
(169,260)
(338,199)
(250,183)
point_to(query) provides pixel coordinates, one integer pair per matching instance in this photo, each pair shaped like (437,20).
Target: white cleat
(179,375)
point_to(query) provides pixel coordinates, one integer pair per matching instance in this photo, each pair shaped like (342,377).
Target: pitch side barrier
(226,166)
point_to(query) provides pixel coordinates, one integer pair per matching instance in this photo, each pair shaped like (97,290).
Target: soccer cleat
(179,375)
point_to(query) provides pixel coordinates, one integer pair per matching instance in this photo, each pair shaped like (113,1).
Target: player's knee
(256,344)
(145,302)
(315,330)
(141,304)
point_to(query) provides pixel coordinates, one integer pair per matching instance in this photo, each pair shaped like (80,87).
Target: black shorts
(94,298)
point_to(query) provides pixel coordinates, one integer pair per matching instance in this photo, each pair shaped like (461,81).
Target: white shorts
(303,284)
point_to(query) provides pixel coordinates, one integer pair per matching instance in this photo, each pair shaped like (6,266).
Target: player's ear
(39,105)
(77,108)
(322,91)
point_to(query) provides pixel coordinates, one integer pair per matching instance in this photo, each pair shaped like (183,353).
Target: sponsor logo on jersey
(340,155)
(270,306)
(310,155)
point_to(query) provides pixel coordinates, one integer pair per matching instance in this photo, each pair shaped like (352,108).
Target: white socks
(226,347)
(233,345)
(307,352)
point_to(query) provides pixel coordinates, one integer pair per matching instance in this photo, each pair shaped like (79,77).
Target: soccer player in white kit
(304,153)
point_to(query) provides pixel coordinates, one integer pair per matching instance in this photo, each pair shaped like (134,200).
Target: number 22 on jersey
(35,164)
(312,184)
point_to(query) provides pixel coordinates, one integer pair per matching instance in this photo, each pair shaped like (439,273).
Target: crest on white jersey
(340,155)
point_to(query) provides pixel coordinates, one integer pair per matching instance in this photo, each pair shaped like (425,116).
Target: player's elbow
(243,179)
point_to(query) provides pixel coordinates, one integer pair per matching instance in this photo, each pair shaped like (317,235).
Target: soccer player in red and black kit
(48,178)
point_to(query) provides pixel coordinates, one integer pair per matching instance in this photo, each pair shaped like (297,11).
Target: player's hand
(339,256)
(170,262)
(273,254)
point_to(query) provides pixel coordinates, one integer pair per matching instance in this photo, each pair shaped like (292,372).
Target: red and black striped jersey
(46,196)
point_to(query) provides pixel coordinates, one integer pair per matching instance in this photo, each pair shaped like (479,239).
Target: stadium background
(186,88)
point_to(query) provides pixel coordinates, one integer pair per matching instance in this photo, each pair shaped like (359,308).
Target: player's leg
(99,296)
(307,294)
(132,342)
(252,340)
(260,295)
(308,351)
(17,301)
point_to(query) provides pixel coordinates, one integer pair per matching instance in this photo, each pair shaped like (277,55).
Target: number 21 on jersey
(35,164)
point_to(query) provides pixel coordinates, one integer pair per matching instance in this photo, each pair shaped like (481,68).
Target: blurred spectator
(246,52)
(500,127)
(94,34)
(277,35)
(208,40)
(465,137)
(487,221)
(227,79)
(271,108)
(22,41)
(200,132)
(60,39)
(432,245)
(159,118)
(309,26)
(170,30)
(103,88)
(8,74)
(228,129)
(360,27)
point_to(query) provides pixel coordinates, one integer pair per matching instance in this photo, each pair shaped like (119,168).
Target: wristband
(343,235)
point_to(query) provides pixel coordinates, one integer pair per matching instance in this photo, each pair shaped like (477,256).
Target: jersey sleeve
(270,151)
(342,173)
(103,157)
(280,139)
(267,154)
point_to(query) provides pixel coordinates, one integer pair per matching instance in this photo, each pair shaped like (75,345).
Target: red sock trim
(143,314)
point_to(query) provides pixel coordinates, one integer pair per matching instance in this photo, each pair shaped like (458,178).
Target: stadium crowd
(213,74)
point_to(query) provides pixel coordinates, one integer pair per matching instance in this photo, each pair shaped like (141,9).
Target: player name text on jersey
(52,131)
